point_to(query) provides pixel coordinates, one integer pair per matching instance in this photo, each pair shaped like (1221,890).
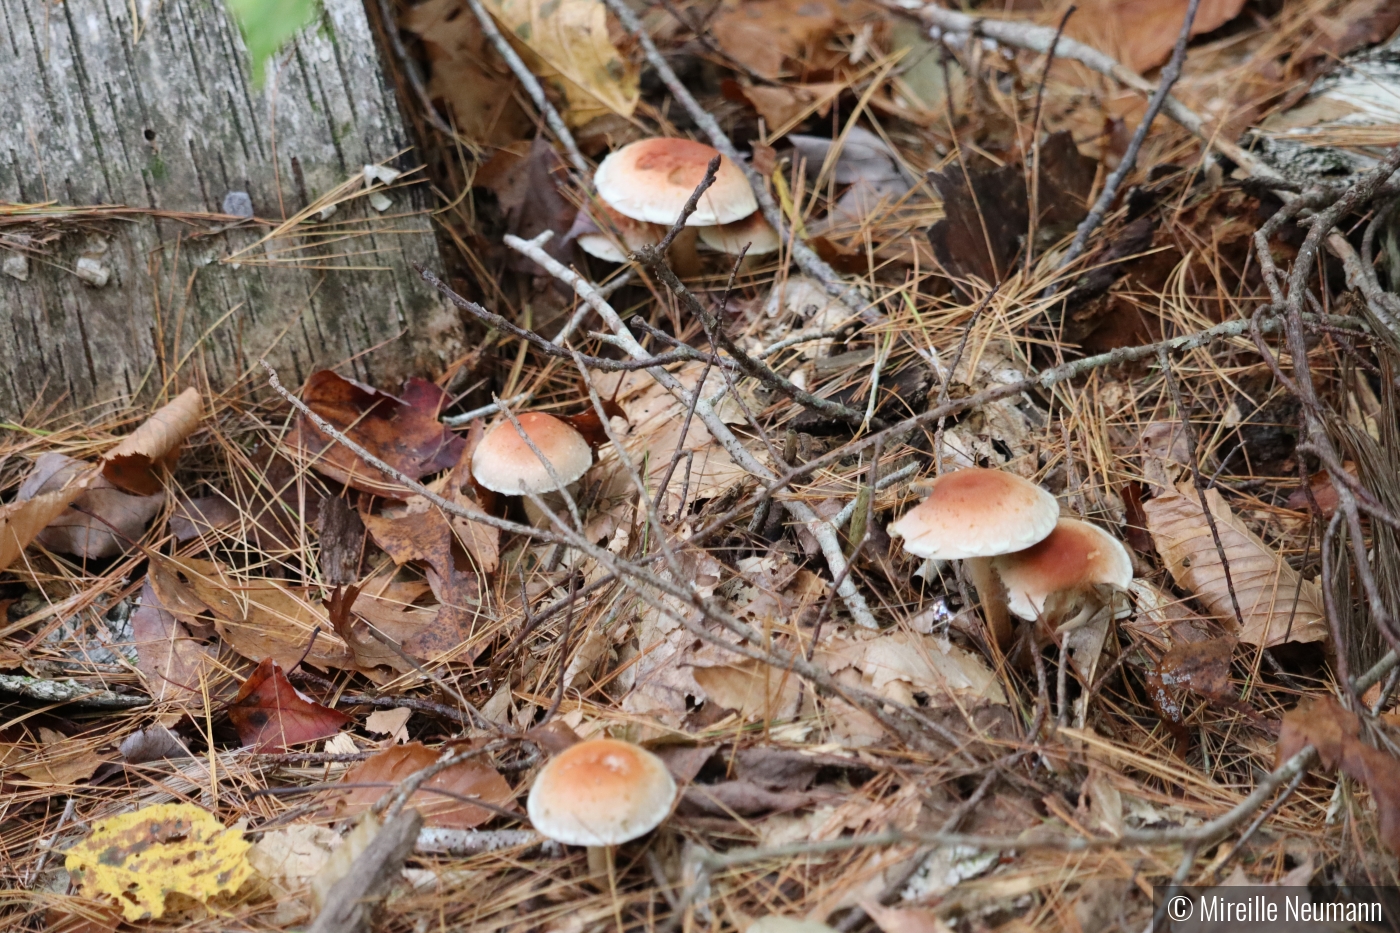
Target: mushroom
(753,231)
(600,794)
(651,180)
(503,462)
(1073,556)
(631,236)
(973,515)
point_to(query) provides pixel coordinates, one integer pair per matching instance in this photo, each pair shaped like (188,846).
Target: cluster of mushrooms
(642,188)
(1019,550)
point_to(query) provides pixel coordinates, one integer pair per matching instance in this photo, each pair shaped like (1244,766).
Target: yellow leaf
(569,39)
(170,848)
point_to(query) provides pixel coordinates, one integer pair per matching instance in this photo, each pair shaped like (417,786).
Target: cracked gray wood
(165,119)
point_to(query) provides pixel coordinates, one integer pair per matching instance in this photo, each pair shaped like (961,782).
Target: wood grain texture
(165,119)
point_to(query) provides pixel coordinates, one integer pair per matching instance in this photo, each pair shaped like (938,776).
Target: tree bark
(124,147)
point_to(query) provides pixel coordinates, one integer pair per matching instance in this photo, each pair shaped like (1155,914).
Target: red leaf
(471,778)
(271,715)
(402,431)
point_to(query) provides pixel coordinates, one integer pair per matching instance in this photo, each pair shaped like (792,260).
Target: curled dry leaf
(1278,605)
(139,858)
(1141,33)
(471,778)
(1336,734)
(403,431)
(21,521)
(135,465)
(103,520)
(271,715)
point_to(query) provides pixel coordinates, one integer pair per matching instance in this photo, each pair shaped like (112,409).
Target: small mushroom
(651,180)
(974,515)
(600,794)
(632,234)
(753,231)
(1073,556)
(503,462)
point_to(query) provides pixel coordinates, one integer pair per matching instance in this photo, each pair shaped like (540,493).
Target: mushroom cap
(977,513)
(652,179)
(602,792)
(634,235)
(504,463)
(1075,554)
(754,230)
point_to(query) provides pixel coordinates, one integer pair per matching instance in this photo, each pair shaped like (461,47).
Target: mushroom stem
(600,860)
(993,598)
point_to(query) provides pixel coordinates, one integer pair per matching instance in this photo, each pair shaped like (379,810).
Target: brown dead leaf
(655,420)
(272,715)
(1141,33)
(1320,491)
(1202,667)
(22,521)
(57,760)
(136,464)
(369,652)
(763,34)
(527,188)
(193,518)
(903,919)
(402,431)
(256,617)
(420,532)
(390,722)
(1335,732)
(172,663)
(1266,587)
(103,520)
(467,73)
(471,778)
(745,798)
(786,105)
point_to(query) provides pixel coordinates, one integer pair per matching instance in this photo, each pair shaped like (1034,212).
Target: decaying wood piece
(129,153)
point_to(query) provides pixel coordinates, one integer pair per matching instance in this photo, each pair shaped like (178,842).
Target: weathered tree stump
(128,152)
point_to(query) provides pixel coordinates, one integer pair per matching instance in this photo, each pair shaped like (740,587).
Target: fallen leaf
(170,661)
(1277,604)
(570,38)
(527,188)
(369,652)
(653,431)
(745,798)
(194,518)
(471,778)
(390,722)
(985,220)
(1141,33)
(288,858)
(22,521)
(342,858)
(136,464)
(1202,667)
(403,432)
(153,743)
(468,73)
(256,617)
(139,858)
(904,919)
(103,520)
(58,760)
(420,532)
(786,105)
(271,715)
(1322,492)
(763,34)
(1335,732)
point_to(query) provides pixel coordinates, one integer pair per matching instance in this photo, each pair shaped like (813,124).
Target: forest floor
(249,630)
